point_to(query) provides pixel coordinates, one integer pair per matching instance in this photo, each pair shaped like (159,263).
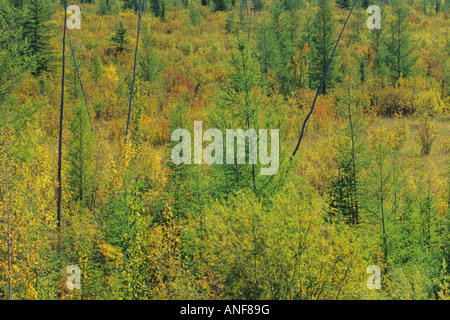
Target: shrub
(395,101)
(426,135)
(429,103)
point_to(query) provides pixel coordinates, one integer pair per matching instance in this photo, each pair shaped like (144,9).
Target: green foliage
(268,49)
(38,31)
(158,8)
(345,4)
(219,5)
(323,41)
(120,40)
(426,135)
(81,151)
(13,61)
(108,7)
(149,63)
(346,188)
(180,175)
(194,13)
(369,185)
(399,46)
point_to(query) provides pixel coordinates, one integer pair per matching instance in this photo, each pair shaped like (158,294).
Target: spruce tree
(344,4)
(399,46)
(323,41)
(145,4)
(13,61)
(240,106)
(149,63)
(219,5)
(158,8)
(268,48)
(379,193)
(120,39)
(38,31)
(365,4)
(80,156)
(306,43)
(376,40)
(108,7)
(180,176)
(194,14)
(284,25)
(345,191)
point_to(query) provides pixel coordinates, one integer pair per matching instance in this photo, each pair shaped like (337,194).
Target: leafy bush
(426,135)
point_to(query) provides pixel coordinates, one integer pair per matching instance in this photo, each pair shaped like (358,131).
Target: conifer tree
(292,7)
(284,25)
(150,65)
(346,187)
(97,68)
(240,106)
(219,5)
(376,40)
(120,39)
(145,5)
(323,41)
(306,44)
(158,8)
(73,82)
(180,176)
(345,4)
(268,49)
(38,31)
(381,192)
(13,61)
(194,14)
(108,7)
(240,109)
(399,46)
(80,156)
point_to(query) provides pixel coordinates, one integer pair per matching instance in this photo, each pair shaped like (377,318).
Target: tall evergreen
(13,61)
(38,32)
(120,39)
(219,5)
(108,7)
(306,43)
(376,41)
(323,41)
(149,63)
(145,5)
(268,48)
(80,156)
(345,191)
(399,45)
(345,4)
(240,106)
(158,8)
(180,176)
(284,23)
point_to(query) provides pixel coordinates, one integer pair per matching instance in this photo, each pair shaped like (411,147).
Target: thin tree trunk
(61,116)
(382,211)
(355,215)
(134,71)
(8,210)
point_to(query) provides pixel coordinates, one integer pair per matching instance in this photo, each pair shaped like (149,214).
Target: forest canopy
(87,178)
